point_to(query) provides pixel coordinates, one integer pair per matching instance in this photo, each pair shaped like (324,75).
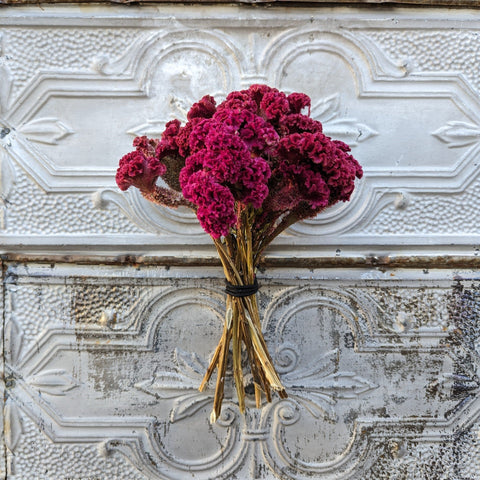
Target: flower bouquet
(249,168)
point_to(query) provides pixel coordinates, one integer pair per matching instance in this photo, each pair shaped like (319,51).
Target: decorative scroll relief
(68,127)
(375,85)
(352,380)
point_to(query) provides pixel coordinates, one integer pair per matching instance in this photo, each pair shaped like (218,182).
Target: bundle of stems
(249,168)
(242,326)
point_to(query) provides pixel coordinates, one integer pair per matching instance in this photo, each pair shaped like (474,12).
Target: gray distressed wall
(112,307)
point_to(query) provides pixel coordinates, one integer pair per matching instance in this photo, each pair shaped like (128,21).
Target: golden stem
(222,366)
(226,261)
(259,378)
(213,364)
(260,349)
(237,253)
(237,357)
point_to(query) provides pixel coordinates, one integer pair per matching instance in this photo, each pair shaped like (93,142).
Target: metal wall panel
(111,306)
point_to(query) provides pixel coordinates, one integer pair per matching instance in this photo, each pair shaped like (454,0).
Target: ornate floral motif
(49,130)
(350,130)
(458,134)
(339,378)
(182,386)
(56,382)
(319,386)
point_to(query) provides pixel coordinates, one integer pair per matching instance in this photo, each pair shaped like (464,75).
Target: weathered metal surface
(312,263)
(380,369)
(112,307)
(79,82)
(270,3)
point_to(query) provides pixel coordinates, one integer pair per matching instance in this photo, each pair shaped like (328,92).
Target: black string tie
(241,290)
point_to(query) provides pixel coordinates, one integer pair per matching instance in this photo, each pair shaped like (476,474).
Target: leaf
(318,367)
(48,130)
(346,385)
(349,130)
(458,134)
(326,109)
(13,341)
(7,174)
(188,405)
(152,129)
(167,385)
(13,425)
(317,406)
(54,382)
(190,362)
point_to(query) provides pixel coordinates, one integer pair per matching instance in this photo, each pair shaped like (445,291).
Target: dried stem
(237,252)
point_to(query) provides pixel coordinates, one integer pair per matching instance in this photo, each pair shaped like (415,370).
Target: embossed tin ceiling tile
(402,89)
(379,368)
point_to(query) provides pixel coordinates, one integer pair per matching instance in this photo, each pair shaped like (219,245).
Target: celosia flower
(274,104)
(298,123)
(205,108)
(135,169)
(258,148)
(249,168)
(298,101)
(215,203)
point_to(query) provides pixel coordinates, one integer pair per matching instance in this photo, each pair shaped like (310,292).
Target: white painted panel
(102,362)
(379,368)
(75,92)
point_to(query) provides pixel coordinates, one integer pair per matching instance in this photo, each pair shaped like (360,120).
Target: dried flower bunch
(249,168)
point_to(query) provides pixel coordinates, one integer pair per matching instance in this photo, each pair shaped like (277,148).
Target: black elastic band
(241,290)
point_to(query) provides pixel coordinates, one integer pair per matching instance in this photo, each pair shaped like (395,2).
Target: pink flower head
(342,171)
(238,101)
(216,205)
(135,169)
(274,104)
(183,137)
(259,148)
(172,129)
(205,108)
(168,143)
(145,145)
(298,101)
(257,134)
(298,123)
(253,182)
(257,91)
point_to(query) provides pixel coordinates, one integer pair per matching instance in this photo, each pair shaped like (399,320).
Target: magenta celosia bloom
(137,170)
(298,101)
(257,149)
(205,108)
(249,168)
